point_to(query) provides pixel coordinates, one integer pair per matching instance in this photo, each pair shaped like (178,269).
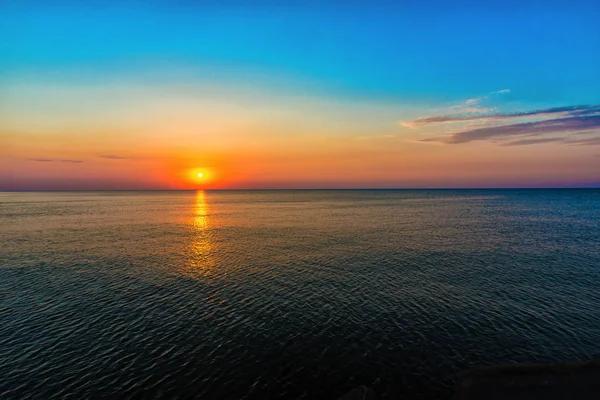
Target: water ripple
(253,295)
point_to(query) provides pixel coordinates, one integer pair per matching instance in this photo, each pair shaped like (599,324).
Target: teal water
(290,294)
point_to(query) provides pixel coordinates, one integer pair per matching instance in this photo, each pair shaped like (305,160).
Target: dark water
(291,294)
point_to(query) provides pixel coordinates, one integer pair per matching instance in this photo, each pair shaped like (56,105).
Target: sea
(290,294)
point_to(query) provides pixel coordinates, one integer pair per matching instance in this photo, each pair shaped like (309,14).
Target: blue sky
(543,51)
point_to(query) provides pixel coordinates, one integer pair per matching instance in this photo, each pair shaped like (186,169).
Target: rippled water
(290,294)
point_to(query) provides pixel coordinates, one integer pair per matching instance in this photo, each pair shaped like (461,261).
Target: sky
(299,94)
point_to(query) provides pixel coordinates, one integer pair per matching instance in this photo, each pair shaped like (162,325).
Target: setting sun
(200,176)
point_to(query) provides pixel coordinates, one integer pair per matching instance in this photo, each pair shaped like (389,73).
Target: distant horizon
(307,189)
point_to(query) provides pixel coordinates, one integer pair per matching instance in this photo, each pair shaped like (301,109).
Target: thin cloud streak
(570,124)
(477,100)
(469,106)
(578,110)
(585,142)
(575,142)
(48,160)
(525,142)
(114,157)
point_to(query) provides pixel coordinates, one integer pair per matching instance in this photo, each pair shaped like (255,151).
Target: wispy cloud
(479,99)
(584,142)
(466,110)
(47,160)
(525,142)
(575,142)
(114,157)
(579,110)
(543,125)
(537,128)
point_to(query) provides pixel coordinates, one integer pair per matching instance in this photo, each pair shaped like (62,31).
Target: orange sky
(250,135)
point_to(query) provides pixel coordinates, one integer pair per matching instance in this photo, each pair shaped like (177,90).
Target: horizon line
(298,189)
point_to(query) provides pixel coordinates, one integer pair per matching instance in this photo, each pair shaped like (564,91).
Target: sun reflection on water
(202,247)
(201,211)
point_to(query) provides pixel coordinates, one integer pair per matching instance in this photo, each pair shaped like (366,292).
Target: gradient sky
(348,94)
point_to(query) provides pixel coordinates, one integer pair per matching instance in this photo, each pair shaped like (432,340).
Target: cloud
(579,110)
(585,142)
(525,142)
(46,160)
(114,157)
(477,100)
(469,106)
(569,124)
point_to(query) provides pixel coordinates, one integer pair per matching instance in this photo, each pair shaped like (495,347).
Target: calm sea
(290,294)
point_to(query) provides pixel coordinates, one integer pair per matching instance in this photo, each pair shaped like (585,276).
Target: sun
(200,176)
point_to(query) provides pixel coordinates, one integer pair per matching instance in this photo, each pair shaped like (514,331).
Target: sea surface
(290,294)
